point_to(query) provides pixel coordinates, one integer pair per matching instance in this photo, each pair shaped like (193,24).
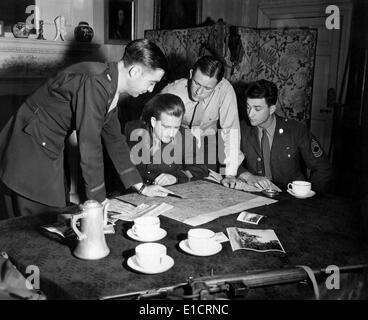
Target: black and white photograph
(248,217)
(254,239)
(184,150)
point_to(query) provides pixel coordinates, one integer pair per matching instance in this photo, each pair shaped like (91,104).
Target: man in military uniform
(274,147)
(82,97)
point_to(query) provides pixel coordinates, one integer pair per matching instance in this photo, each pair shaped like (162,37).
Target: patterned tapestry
(284,56)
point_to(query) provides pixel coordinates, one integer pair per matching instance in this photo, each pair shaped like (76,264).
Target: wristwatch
(142,188)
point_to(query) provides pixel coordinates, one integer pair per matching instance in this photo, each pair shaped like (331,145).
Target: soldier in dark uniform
(278,149)
(156,146)
(82,97)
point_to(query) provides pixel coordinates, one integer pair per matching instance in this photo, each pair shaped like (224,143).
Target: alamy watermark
(333,20)
(185,148)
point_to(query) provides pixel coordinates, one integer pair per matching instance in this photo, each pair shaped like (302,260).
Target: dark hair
(164,102)
(262,89)
(211,67)
(144,52)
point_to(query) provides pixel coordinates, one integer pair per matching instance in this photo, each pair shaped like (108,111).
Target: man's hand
(240,184)
(155,191)
(260,182)
(165,179)
(229,182)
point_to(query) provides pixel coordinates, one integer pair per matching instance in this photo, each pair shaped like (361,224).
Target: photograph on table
(120,21)
(256,240)
(249,217)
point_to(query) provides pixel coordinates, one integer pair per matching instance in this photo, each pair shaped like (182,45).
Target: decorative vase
(83,32)
(20,30)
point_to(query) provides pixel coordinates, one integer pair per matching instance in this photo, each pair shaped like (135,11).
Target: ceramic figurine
(40,32)
(20,30)
(60,28)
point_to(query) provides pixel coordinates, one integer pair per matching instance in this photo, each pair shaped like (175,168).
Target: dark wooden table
(319,231)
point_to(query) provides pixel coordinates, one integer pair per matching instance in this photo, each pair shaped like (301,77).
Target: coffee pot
(92,244)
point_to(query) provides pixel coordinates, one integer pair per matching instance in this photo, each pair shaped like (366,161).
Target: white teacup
(300,188)
(201,240)
(146,227)
(150,255)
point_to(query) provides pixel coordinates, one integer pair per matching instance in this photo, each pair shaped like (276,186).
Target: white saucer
(160,235)
(185,247)
(167,263)
(310,194)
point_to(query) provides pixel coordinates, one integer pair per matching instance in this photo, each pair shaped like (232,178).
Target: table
(317,232)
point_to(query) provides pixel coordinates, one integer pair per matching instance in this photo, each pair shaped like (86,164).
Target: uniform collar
(271,128)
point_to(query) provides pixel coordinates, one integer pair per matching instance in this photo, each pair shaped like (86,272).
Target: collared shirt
(220,105)
(270,131)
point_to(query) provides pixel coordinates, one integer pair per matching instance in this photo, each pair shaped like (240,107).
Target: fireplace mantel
(32,45)
(25,63)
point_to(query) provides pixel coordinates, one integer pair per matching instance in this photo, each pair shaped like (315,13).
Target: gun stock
(203,287)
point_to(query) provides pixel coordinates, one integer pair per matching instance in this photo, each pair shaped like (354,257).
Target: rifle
(235,285)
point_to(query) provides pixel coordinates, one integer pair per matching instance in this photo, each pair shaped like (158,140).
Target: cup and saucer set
(147,229)
(150,257)
(300,189)
(200,242)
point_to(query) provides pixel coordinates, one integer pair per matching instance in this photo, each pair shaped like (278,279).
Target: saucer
(185,247)
(160,235)
(310,194)
(167,263)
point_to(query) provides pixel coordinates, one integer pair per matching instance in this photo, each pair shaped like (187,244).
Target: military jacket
(294,152)
(32,142)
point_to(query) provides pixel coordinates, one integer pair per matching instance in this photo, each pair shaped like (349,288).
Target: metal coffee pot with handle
(92,244)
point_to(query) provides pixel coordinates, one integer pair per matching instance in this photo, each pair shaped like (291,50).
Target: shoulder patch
(316,149)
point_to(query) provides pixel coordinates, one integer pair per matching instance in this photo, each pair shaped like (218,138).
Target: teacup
(146,227)
(150,255)
(201,240)
(300,188)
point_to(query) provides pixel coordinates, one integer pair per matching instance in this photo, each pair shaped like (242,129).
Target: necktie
(196,115)
(266,151)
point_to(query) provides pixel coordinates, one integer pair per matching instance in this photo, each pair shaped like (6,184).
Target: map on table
(203,202)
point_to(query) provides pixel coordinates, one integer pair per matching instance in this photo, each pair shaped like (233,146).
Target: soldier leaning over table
(82,97)
(290,142)
(156,143)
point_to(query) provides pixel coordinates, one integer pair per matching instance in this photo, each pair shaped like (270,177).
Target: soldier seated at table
(157,145)
(278,149)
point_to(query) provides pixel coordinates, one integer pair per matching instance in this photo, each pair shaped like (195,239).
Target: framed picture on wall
(120,21)
(177,14)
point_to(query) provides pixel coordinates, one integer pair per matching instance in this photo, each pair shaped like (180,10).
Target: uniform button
(259,159)
(44,144)
(108,77)
(109,101)
(289,155)
(149,172)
